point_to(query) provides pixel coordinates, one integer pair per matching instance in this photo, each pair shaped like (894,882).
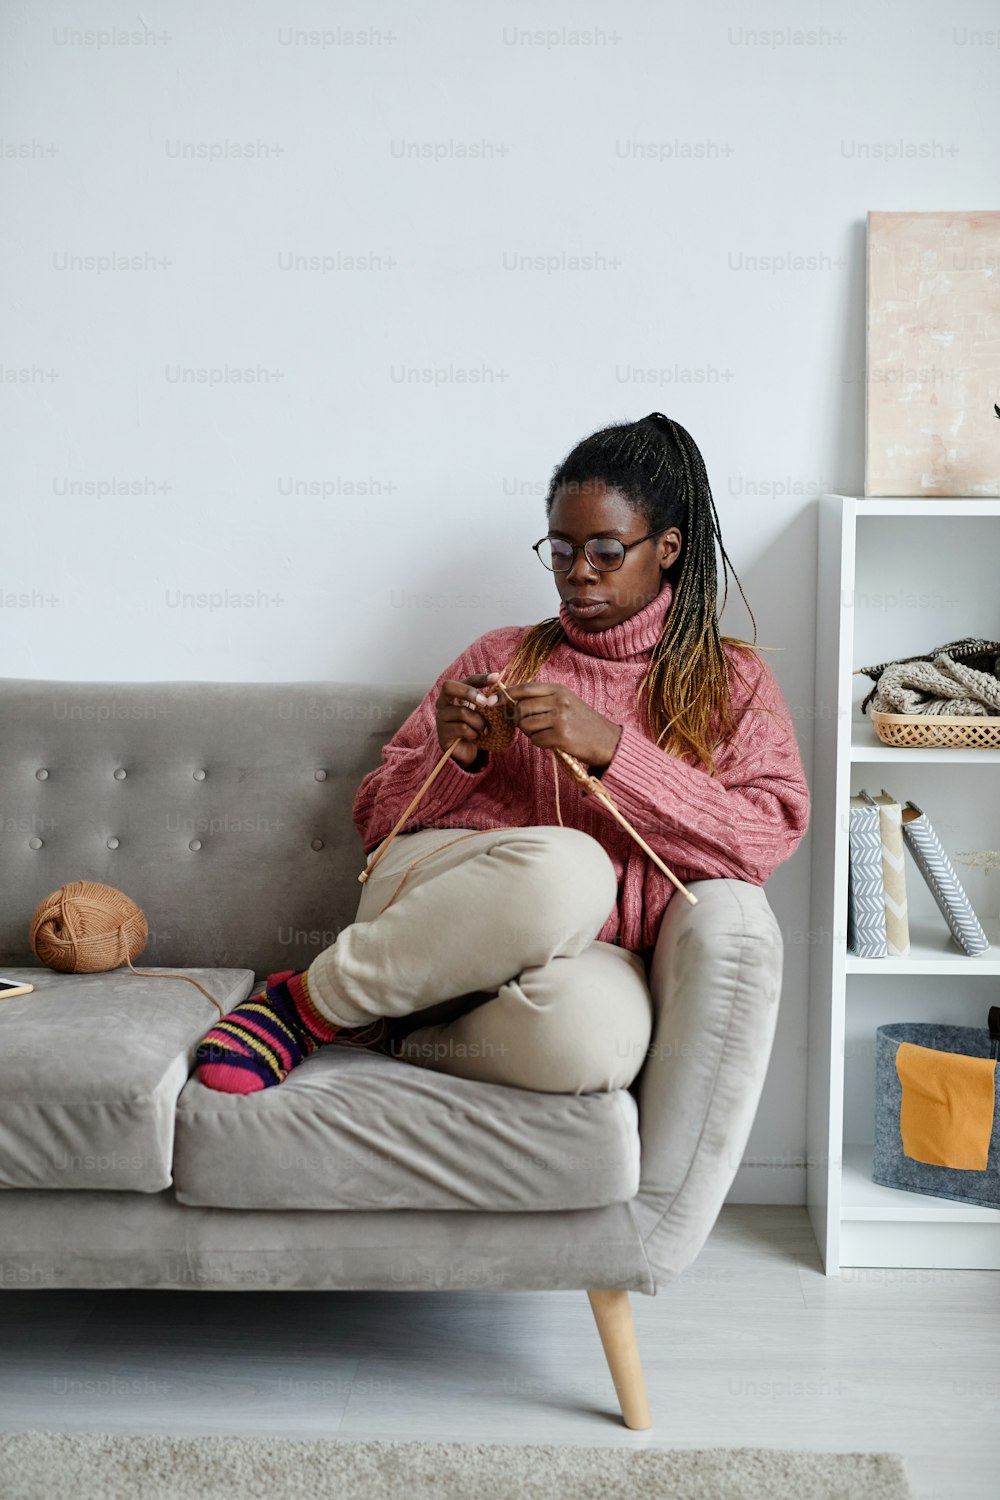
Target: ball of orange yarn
(87,928)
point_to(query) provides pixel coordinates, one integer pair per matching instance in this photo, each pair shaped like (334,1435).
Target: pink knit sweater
(742,823)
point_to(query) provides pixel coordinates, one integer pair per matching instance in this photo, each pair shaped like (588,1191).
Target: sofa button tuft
(42,775)
(34,843)
(316,844)
(121,773)
(320,775)
(199,776)
(112,843)
(195,845)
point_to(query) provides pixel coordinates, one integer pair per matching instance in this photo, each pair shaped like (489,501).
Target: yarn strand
(146,974)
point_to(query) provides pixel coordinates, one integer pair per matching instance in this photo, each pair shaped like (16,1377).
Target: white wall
(758,142)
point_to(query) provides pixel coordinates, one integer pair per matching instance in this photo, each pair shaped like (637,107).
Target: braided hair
(657,467)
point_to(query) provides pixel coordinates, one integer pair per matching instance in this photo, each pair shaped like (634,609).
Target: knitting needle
(403,817)
(590,783)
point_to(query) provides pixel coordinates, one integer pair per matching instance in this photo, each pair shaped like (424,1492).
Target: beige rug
(101,1466)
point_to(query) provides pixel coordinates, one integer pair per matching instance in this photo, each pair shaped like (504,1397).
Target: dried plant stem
(980,859)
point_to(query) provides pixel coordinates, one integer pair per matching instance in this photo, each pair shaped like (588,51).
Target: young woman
(491,942)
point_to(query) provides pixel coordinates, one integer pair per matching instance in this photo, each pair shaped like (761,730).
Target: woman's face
(583,511)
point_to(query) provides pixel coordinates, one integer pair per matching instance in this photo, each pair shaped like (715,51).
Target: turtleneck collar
(630,638)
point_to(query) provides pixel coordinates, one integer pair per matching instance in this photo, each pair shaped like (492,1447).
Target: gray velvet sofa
(224,810)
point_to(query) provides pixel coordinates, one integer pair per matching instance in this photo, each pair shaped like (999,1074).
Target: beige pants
(492,941)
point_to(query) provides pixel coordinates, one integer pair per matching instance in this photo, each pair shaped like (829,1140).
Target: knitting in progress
(498,735)
(960,678)
(740,822)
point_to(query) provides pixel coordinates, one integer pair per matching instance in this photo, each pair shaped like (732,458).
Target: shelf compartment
(866,747)
(864,1199)
(933,951)
(890,1228)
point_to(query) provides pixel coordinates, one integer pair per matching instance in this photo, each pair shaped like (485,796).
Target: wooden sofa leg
(614,1323)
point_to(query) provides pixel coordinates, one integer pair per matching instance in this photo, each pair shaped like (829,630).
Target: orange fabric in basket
(948,1100)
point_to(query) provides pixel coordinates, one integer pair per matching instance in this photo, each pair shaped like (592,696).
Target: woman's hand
(554,718)
(455,718)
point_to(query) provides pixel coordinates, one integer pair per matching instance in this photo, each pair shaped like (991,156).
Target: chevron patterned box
(866,934)
(897,921)
(946,888)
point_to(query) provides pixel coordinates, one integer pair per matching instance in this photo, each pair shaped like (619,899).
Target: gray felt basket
(890,1167)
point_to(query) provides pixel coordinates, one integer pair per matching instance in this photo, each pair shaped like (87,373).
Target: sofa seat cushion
(90,1069)
(349,1129)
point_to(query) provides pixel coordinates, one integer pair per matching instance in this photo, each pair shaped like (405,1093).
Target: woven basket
(943,731)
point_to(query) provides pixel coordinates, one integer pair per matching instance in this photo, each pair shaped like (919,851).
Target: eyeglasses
(605,553)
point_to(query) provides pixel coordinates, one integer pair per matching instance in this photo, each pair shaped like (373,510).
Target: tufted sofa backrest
(222,808)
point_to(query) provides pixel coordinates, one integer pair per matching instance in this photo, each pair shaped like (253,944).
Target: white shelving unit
(895,578)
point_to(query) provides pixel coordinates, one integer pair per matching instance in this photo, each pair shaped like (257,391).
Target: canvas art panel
(933,354)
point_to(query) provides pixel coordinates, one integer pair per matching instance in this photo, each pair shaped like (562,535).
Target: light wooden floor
(754,1346)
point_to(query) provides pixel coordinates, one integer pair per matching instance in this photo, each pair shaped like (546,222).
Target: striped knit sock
(260,1041)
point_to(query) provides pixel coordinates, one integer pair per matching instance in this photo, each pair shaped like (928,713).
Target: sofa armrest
(717,967)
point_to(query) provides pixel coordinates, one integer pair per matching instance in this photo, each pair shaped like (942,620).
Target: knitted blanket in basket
(962,677)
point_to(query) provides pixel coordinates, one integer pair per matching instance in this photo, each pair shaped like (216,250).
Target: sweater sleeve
(741,823)
(410,757)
